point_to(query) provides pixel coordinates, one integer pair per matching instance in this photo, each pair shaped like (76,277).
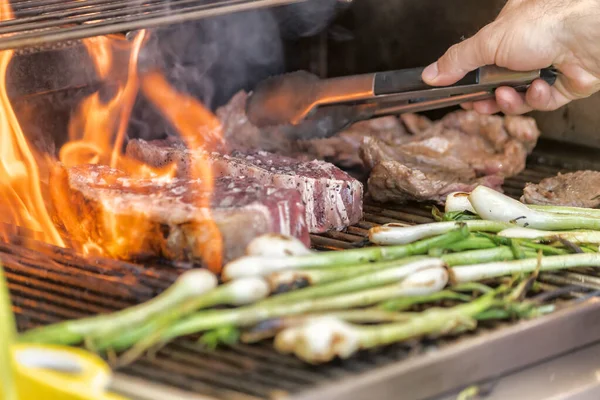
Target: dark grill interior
(49,284)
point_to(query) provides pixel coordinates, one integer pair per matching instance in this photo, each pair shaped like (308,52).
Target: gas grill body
(48,285)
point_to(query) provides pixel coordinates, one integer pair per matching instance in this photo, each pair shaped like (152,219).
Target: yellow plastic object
(60,373)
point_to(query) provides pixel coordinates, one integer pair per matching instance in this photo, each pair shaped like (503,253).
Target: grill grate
(48,285)
(40,22)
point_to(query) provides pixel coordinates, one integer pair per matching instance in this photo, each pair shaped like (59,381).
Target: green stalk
(480,272)
(472,243)
(8,332)
(368,280)
(189,285)
(401,235)
(307,342)
(261,266)
(494,206)
(576,211)
(239,292)
(315,277)
(534,234)
(268,329)
(405,303)
(423,282)
(481,256)
(312,277)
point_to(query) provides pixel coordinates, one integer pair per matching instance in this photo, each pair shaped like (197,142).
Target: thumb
(464,57)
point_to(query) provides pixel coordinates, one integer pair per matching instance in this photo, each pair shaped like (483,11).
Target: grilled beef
(172,218)
(332,198)
(241,135)
(576,189)
(343,148)
(462,150)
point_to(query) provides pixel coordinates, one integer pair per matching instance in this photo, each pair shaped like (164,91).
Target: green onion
(8,331)
(480,272)
(494,206)
(391,234)
(191,284)
(420,283)
(571,236)
(325,339)
(261,266)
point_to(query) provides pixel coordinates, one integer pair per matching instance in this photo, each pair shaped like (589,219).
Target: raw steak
(462,150)
(169,218)
(575,189)
(333,199)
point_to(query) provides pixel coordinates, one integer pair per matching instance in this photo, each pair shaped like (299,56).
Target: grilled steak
(343,148)
(462,150)
(576,189)
(172,218)
(332,198)
(241,135)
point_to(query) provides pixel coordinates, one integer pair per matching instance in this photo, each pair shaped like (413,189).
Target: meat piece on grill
(333,199)
(462,150)
(171,218)
(343,148)
(575,189)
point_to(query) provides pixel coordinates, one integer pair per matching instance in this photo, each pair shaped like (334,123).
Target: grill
(40,22)
(48,284)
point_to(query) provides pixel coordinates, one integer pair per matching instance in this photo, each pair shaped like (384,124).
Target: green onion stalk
(261,266)
(192,284)
(493,206)
(8,333)
(591,237)
(392,234)
(323,340)
(269,328)
(480,272)
(281,281)
(457,203)
(420,283)
(371,279)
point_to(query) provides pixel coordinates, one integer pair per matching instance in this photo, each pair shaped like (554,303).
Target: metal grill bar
(39,22)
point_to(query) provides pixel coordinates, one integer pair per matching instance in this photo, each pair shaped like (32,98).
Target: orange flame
(21,200)
(202,132)
(97,131)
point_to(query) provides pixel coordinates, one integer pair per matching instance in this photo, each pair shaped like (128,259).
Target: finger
(465,57)
(486,107)
(511,102)
(539,96)
(467,106)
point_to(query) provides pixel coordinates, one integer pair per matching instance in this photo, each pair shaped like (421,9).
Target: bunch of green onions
(484,235)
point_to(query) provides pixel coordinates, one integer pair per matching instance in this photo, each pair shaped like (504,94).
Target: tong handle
(409,80)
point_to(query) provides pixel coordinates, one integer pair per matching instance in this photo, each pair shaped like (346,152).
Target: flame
(21,200)
(96,135)
(202,133)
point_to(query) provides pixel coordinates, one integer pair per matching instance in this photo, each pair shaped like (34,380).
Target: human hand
(529,35)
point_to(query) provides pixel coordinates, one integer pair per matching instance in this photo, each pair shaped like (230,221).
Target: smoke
(214,58)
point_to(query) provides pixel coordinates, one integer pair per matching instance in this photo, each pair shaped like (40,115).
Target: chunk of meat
(461,150)
(575,189)
(343,148)
(396,182)
(332,198)
(139,218)
(241,135)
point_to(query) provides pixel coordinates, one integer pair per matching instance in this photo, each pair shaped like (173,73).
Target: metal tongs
(308,107)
